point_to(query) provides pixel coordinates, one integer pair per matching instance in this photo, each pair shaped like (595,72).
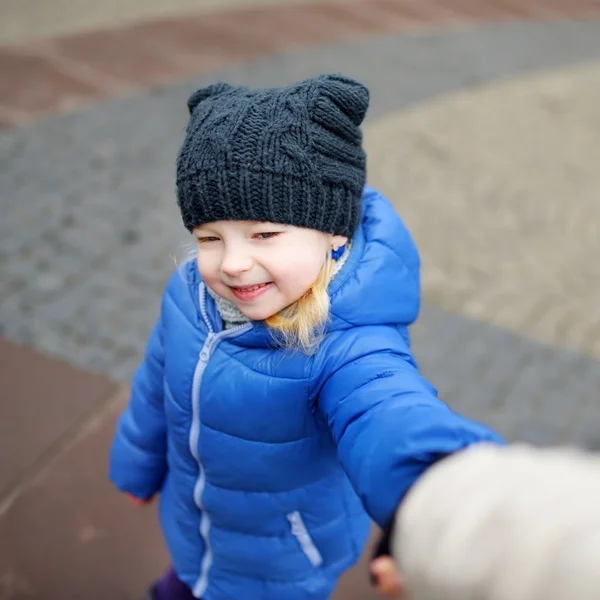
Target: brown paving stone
(351,19)
(189,44)
(578,9)
(472,10)
(212,41)
(515,7)
(419,12)
(586,8)
(262,31)
(129,56)
(570,7)
(400,16)
(9,118)
(396,16)
(247,33)
(70,535)
(34,84)
(69,72)
(355,584)
(40,400)
(299,26)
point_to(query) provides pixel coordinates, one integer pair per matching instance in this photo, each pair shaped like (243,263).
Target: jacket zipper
(211,342)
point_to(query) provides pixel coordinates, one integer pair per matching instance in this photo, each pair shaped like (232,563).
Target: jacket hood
(380,282)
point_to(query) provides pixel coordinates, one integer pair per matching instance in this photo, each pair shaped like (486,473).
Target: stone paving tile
(357,19)
(499,241)
(42,400)
(10,116)
(196,45)
(86,243)
(419,15)
(72,71)
(89,223)
(131,59)
(101,547)
(251,33)
(26,20)
(525,389)
(355,584)
(70,535)
(31,84)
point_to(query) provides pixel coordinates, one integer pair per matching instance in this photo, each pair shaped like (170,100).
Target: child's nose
(236,262)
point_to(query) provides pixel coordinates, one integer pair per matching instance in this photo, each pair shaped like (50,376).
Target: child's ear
(216,89)
(337,241)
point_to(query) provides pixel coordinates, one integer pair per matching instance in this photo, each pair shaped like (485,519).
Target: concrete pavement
(483,133)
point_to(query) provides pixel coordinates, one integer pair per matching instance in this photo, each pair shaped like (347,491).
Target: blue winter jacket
(266,459)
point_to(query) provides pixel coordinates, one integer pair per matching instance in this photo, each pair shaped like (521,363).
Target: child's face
(261,267)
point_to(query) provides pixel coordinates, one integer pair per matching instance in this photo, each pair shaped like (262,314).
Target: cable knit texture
(288,155)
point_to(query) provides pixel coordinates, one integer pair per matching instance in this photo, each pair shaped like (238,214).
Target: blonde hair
(301,325)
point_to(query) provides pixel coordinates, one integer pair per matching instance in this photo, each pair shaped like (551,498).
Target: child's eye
(204,240)
(267,235)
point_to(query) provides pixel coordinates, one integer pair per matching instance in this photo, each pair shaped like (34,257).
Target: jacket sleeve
(387,421)
(138,455)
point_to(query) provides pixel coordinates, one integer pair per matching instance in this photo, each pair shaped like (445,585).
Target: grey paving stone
(90,228)
(541,395)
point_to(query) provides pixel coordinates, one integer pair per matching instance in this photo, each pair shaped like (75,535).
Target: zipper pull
(205,352)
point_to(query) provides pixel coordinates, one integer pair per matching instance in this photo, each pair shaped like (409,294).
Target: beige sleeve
(493,523)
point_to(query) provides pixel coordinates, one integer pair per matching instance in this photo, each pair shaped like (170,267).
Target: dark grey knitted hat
(288,155)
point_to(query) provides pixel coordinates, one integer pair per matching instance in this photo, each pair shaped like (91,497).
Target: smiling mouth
(250,292)
(248,288)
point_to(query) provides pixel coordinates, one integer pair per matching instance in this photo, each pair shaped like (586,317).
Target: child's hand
(139,501)
(383,568)
(386,578)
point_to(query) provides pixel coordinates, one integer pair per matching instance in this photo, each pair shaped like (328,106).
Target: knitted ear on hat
(349,95)
(339,109)
(216,89)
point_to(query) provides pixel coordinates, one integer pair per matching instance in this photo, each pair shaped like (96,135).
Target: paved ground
(483,131)
(38,19)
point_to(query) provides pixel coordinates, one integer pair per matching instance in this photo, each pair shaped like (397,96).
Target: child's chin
(256,315)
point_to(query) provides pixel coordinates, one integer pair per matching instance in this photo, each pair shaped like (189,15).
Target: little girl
(279,407)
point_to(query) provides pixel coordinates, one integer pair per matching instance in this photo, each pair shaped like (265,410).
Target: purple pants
(170,587)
